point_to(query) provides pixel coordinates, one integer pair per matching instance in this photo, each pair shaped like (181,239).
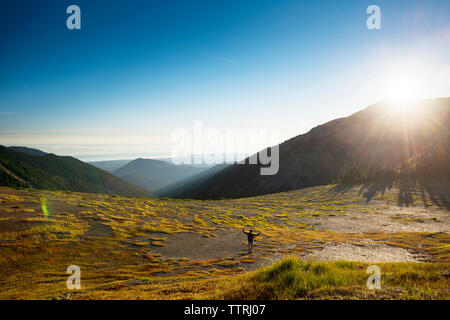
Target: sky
(138,71)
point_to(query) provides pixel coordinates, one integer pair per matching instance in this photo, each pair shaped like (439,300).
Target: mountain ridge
(52,172)
(369,141)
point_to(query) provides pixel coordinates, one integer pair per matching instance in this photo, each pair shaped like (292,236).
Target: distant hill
(30,151)
(381,140)
(147,183)
(178,188)
(192,159)
(52,172)
(109,165)
(154,174)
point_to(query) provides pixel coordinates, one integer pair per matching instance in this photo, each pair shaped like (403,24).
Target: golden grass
(118,260)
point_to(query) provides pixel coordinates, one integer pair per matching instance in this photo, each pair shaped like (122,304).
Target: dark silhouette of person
(250,237)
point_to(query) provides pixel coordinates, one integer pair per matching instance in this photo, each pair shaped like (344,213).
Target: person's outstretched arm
(257,234)
(244,231)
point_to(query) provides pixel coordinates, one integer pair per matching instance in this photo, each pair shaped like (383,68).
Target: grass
(117,242)
(292,278)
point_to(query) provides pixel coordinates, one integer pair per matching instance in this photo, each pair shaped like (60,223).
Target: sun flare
(403,88)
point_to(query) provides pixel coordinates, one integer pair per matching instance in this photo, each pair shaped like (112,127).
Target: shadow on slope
(410,189)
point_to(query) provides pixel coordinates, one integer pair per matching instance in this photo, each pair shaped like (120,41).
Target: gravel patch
(99,230)
(197,247)
(389,221)
(367,252)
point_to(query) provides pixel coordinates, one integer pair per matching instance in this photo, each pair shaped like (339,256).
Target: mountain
(191,159)
(154,174)
(147,183)
(178,188)
(30,151)
(109,165)
(384,139)
(52,172)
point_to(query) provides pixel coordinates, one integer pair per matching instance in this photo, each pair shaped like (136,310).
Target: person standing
(250,237)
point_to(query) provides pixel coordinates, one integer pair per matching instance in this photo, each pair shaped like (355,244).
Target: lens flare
(44,208)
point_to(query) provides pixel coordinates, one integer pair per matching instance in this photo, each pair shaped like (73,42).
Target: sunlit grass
(292,278)
(122,251)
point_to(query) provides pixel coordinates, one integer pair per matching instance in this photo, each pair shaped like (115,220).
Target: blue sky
(138,70)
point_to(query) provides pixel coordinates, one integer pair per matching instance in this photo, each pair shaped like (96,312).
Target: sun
(403,88)
(404,91)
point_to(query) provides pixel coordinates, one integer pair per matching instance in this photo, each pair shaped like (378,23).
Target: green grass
(292,278)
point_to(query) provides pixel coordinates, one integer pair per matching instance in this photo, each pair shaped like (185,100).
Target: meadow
(315,243)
